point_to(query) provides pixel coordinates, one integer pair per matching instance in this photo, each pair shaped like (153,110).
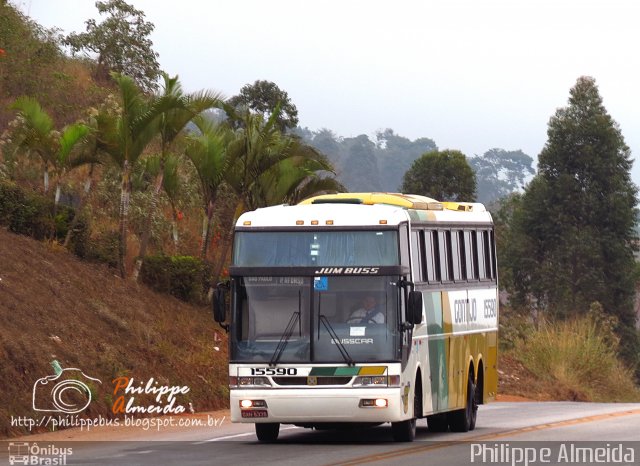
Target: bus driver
(367,314)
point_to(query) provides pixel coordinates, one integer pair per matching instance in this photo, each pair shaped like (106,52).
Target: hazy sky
(470,74)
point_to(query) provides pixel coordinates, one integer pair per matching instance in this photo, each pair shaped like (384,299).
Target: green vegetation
(443,175)
(263,97)
(187,278)
(569,240)
(500,173)
(121,43)
(132,138)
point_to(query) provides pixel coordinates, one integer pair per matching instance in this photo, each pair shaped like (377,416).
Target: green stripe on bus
(327,371)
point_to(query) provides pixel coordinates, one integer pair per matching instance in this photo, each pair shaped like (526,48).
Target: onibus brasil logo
(68,391)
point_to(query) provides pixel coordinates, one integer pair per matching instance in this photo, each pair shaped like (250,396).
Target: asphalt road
(506,433)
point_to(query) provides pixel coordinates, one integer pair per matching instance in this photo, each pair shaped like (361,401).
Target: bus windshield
(315,248)
(333,319)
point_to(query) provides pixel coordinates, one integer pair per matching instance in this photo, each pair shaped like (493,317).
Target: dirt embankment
(55,307)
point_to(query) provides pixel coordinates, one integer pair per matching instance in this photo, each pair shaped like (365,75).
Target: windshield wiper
(288,331)
(284,339)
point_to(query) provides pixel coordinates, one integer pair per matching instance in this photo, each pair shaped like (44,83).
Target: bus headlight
(250,382)
(246,404)
(371,381)
(374,403)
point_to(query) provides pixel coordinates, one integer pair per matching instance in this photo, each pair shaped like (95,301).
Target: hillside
(55,307)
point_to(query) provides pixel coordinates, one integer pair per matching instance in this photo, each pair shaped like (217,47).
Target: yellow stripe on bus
(372,370)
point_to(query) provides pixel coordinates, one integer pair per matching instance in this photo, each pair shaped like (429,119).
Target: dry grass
(572,360)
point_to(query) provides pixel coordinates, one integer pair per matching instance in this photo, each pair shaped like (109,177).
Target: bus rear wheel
(464,420)
(437,423)
(267,432)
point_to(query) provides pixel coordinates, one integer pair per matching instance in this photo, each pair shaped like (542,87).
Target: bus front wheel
(267,432)
(405,431)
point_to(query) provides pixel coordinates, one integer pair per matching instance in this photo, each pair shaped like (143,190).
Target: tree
(35,134)
(304,173)
(121,43)
(395,155)
(578,216)
(257,147)
(93,154)
(263,97)
(124,136)
(360,168)
(180,110)
(208,153)
(327,142)
(500,173)
(443,175)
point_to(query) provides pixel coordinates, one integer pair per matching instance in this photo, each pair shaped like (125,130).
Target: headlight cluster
(371,381)
(377,381)
(246,404)
(249,382)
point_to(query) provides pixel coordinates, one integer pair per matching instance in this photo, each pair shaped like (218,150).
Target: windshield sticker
(357,331)
(320,283)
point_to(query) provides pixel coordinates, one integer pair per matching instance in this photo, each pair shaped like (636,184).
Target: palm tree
(304,173)
(171,186)
(180,110)
(92,151)
(266,167)
(209,154)
(125,136)
(257,148)
(36,135)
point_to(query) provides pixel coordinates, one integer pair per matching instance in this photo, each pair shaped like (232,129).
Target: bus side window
(470,255)
(455,256)
(432,255)
(404,245)
(462,255)
(446,259)
(416,256)
(488,254)
(482,268)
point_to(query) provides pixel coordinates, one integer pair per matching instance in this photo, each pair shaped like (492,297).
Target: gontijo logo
(65,392)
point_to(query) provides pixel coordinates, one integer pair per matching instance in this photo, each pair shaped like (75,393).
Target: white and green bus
(303,350)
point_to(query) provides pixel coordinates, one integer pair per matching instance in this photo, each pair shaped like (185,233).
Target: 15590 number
(274,371)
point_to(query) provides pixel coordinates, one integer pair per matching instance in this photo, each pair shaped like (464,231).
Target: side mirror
(414,308)
(220,303)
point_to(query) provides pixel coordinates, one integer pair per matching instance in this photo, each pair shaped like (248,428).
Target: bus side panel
(485,302)
(458,346)
(491,368)
(438,350)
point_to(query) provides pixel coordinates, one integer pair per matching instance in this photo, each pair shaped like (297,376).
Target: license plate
(255,413)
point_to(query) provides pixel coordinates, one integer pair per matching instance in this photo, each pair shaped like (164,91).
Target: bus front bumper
(320,405)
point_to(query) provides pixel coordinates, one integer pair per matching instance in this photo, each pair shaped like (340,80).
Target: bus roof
(364,209)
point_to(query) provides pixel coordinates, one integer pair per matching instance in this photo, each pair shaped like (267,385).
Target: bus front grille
(313,381)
